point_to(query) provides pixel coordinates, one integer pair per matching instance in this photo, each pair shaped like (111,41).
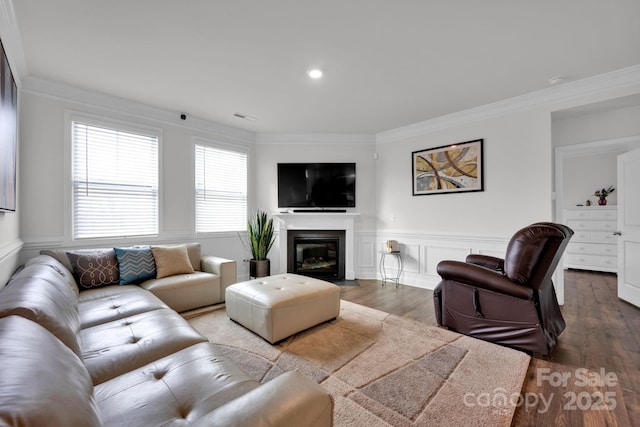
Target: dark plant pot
(602,201)
(259,268)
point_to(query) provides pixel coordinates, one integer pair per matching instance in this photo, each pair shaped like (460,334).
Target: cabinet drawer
(577,225)
(577,214)
(611,214)
(603,237)
(592,249)
(591,261)
(581,236)
(604,225)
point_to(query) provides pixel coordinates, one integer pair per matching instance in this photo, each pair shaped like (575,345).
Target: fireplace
(313,223)
(316,253)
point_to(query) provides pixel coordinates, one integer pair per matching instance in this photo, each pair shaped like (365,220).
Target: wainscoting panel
(365,254)
(9,260)
(421,253)
(410,258)
(495,253)
(435,254)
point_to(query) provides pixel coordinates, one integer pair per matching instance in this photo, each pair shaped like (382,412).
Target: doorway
(586,152)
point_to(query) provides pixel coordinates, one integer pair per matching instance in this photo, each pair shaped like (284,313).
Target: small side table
(383,271)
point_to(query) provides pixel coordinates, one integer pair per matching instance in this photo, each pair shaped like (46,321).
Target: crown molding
(592,148)
(115,104)
(314,138)
(571,91)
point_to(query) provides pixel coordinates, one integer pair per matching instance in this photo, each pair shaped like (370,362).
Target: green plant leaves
(260,234)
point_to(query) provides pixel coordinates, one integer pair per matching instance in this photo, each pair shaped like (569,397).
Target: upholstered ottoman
(277,307)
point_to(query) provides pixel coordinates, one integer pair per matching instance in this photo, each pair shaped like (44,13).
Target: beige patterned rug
(384,370)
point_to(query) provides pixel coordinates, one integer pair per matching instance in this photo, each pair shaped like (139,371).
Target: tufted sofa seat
(119,356)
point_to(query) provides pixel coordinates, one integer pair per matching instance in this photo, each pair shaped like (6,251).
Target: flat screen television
(316,185)
(8,135)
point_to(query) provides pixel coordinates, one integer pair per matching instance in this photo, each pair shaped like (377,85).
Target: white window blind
(115,182)
(221,189)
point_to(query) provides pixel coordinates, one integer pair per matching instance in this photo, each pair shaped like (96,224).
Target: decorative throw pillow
(95,268)
(136,265)
(171,260)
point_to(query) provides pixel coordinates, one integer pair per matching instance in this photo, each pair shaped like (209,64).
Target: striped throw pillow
(136,265)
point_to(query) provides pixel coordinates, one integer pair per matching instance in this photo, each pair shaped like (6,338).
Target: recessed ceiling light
(315,73)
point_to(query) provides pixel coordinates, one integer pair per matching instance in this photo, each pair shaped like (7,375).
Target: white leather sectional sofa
(120,356)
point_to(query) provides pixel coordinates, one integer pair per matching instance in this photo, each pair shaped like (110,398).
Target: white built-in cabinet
(594,245)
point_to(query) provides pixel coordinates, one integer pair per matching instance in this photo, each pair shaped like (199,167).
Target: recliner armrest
(487,261)
(288,400)
(225,268)
(482,277)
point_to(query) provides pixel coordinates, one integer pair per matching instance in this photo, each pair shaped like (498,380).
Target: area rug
(384,370)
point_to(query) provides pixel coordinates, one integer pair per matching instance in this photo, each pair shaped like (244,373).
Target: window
(221,189)
(115,182)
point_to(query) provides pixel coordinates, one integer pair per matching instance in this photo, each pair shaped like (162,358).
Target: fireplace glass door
(317,257)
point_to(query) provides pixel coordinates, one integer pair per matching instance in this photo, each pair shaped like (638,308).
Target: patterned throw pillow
(96,268)
(171,260)
(136,265)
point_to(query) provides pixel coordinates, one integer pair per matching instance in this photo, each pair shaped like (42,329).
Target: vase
(259,268)
(602,201)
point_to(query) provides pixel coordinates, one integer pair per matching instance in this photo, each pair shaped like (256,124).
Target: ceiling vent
(244,116)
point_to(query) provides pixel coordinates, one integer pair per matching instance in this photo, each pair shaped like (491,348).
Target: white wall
(517,183)
(596,126)
(517,171)
(585,173)
(330,148)
(360,149)
(517,180)
(44,164)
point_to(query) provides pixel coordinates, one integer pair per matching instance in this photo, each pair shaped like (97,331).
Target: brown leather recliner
(508,301)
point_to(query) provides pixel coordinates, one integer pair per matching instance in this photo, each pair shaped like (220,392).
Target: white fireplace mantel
(319,221)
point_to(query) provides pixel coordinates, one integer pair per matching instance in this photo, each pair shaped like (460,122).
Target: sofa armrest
(482,277)
(487,261)
(288,400)
(225,268)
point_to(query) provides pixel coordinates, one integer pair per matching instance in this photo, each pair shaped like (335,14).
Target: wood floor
(593,376)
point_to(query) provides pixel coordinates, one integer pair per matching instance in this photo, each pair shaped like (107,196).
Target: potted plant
(260,236)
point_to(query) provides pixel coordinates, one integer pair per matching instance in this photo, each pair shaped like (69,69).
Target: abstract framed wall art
(454,168)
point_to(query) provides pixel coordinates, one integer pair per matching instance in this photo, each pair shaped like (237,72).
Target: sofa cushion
(171,260)
(94,268)
(59,255)
(194,250)
(42,383)
(186,291)
(96,306)
(51,304)
(49,268)
(180,387)
(135,264)
(113,348)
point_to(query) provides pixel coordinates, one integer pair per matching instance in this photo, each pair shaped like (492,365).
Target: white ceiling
(387,63)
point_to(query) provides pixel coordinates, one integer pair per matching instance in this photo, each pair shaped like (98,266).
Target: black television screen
(316,185)
(8,135)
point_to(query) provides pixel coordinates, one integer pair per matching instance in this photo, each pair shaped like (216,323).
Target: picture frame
(454,168)
(8,135)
